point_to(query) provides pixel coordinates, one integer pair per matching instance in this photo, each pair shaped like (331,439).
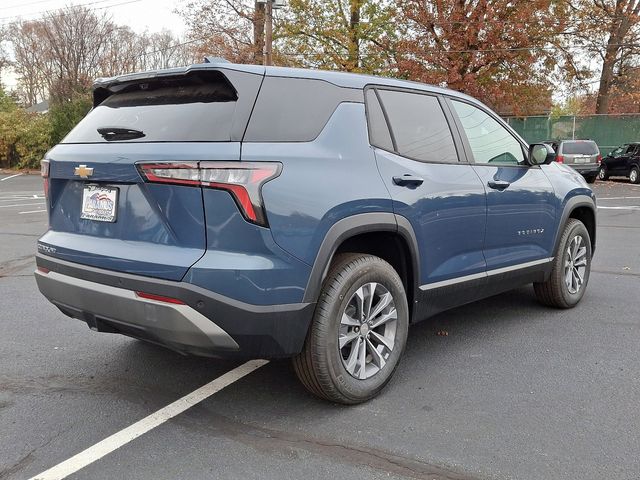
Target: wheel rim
(575,264)
(633,176)
(368,331)
(601,174)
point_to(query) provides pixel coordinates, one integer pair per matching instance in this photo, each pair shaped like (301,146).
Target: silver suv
(582,155)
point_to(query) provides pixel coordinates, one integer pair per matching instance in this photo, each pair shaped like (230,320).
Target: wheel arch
(369,233)
(583,208)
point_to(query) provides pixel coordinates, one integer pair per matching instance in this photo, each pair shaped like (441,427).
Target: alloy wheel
(575,264)
(633,176)
(367,330)
(602,175)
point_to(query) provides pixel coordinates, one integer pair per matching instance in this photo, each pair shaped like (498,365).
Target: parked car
(232,210)
(581,155)
(623,161)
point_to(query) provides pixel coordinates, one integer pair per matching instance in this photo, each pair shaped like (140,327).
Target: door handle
(498,184)
(408,180)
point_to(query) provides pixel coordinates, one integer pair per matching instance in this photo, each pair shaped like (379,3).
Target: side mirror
(541,154)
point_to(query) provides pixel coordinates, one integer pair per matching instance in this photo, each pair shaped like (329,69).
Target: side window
(419,127)
(631,150)
(490,142)
(295,109)
(379,135)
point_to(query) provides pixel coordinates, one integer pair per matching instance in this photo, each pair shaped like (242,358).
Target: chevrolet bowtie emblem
(83,172)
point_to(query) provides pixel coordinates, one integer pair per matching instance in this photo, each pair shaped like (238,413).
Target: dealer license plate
(99,203)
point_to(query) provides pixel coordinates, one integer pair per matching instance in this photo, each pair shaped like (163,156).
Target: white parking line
(630,207)
(32,211)
(616,198)
(22,205)
(117,440)
(11,176)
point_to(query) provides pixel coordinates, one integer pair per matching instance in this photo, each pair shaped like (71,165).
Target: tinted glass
(490,142)
(197,108)
(617,152)
(580,148)
(379,135)
(295,109)
(632,149)
(419,126)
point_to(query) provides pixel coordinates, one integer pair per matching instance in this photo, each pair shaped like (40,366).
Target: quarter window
(490,142)
(419,127)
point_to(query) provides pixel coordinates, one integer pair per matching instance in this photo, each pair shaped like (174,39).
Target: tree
(232,29)
(348,35)
(498,51)
(609,29)
(24,137)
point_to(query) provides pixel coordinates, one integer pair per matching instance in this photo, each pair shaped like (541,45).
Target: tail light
(599,159)
(560,159)
(44,171)
(243,180)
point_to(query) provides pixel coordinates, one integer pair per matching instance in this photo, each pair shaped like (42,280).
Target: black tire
(555,292)
(320,365)
(591,178)
(603,174)
(634,175)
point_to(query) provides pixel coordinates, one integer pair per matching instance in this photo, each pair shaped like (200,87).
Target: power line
(25,4)
(61,11)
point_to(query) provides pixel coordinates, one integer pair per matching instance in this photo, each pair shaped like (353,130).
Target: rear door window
(418,126)
(195,108)
(579,148)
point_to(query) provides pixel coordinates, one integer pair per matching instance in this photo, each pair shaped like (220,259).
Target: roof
(341,79)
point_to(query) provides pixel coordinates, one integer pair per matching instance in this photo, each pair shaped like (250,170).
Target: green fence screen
(608,131)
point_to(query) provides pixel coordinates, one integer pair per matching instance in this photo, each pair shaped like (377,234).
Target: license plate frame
(99,203)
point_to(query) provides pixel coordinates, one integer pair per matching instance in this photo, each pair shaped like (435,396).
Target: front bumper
(207,324)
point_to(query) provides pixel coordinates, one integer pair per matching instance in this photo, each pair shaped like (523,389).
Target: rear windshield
(580,148)
(195,108)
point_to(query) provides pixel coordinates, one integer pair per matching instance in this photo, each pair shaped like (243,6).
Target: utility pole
(268,33)
(269,7)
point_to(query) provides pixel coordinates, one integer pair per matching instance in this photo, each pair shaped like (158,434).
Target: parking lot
(514,390)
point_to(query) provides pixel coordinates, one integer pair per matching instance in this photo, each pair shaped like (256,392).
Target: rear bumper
(207,324)
(586,169)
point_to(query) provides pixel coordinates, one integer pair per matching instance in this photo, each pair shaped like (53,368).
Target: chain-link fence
(608,131)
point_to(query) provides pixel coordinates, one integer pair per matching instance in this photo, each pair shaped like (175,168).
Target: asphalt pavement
(514,391)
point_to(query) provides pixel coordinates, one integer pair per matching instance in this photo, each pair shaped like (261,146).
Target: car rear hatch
(577,153)
(102,210)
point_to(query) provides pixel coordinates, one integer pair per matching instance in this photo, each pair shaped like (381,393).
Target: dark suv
(233,210)
(582,155)
(623,161)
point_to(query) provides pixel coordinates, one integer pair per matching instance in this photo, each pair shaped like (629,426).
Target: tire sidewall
(574,229)
(637,172)
(379,272)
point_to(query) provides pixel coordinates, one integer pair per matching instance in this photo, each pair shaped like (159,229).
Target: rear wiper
(117,133)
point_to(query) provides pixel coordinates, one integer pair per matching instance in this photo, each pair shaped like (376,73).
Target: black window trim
(465,141)
(462,160)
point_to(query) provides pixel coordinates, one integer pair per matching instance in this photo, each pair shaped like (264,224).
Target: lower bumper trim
(122,310)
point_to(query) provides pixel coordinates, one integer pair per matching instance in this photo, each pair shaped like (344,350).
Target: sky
(140,15)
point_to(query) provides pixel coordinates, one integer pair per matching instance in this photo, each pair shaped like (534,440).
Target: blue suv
(250,211)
